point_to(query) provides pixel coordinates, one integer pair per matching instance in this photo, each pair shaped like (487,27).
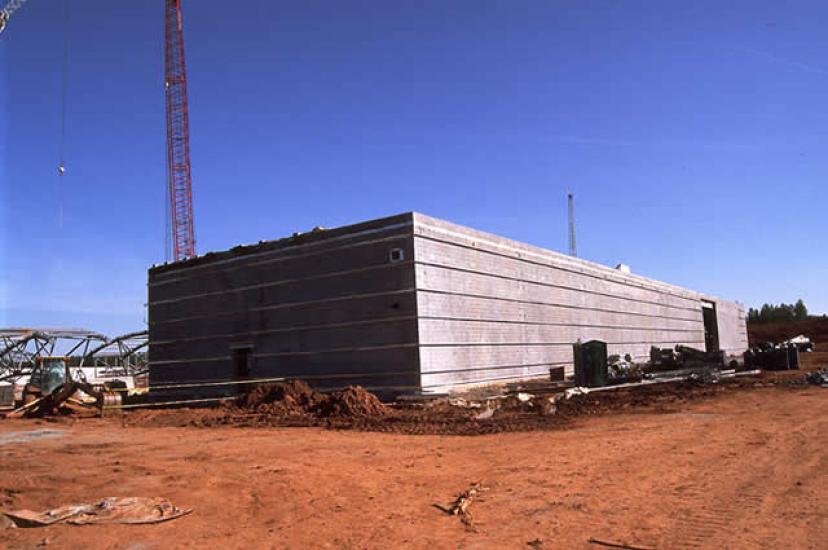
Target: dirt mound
(295,404)
(296,398)
(290,398)
(354,401)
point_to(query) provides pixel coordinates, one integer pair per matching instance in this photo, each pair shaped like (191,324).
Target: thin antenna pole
(573,249)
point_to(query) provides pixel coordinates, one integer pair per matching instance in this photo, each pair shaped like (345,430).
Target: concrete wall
(732,323)
(493,309)
(459,308)
(329,307)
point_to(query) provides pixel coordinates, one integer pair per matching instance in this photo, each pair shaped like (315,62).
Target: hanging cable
(64,78)
(63,86)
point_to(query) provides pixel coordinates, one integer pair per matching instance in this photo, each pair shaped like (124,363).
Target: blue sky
(693,134)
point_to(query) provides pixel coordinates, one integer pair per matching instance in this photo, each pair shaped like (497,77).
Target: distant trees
(782,312)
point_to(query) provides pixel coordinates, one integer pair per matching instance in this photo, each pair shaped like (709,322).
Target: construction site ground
(741,466)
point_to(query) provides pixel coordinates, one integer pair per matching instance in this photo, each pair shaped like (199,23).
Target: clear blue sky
(694,135)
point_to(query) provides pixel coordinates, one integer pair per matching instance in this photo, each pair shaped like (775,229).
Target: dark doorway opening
(711,327)
(242,361)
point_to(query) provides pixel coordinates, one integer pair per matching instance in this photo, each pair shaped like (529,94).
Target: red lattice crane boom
(178,137)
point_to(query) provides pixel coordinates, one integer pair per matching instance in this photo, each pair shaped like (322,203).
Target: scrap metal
(21,347)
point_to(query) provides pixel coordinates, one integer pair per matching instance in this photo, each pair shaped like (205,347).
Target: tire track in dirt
(701,521)
(711,514)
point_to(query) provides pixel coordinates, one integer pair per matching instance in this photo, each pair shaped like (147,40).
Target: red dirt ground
(741,464)
(745,468)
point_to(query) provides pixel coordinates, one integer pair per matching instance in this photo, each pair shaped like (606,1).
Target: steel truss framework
(119,356)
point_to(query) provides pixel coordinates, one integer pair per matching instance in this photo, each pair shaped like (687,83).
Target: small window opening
(396,255)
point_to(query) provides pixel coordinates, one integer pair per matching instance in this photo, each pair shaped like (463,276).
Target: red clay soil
(296,398)
(352,402)
(289,403)
(293,403)
(290,398)
(735,469)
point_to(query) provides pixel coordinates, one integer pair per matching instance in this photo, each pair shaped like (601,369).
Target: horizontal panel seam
(288,329)
(667,288)
(285,305)
(544,324)
(397,237)
(292,247)
(549,285)
(567,306)
(326,275)
(513,344)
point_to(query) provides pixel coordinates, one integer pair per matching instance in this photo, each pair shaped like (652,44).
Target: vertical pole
(573,249)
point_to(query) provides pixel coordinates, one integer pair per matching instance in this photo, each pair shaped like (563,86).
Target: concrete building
(410,303)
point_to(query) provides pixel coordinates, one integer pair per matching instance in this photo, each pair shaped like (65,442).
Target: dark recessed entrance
(242,361)
(711,326)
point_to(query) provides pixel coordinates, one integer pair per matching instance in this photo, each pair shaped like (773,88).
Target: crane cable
(63,86)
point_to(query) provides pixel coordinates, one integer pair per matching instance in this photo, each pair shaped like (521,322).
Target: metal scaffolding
(119,356)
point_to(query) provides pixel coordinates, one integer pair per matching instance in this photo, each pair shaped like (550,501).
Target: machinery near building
(34,362)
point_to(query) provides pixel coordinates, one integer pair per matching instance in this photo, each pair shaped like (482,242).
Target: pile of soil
(354,401)
(291,398)
(296,398)
(296,404)
(289,403)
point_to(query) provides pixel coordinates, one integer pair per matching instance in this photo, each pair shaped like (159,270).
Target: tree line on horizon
(782,312)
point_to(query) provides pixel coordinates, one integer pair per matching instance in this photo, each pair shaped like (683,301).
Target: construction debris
(818,378)
(683,357)
(770,356)
(129,510)
(461,505)
(624,545)
(488,412)
(802,342)
(623,369)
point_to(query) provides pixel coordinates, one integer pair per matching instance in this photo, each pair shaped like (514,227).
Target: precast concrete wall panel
(492,309)
(732,327)
(334,307)
(408,303)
